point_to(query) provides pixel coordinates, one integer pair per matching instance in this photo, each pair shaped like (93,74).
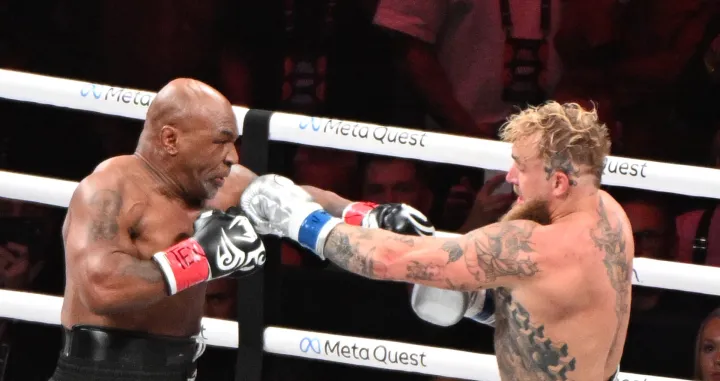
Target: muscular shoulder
(235,184)
(110,188)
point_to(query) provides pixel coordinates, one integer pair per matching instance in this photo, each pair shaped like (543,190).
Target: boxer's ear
(169,139)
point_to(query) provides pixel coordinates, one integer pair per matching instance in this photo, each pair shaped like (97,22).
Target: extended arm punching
(501,254)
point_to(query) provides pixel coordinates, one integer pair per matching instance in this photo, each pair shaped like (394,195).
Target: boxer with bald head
(143,235)
(553,276)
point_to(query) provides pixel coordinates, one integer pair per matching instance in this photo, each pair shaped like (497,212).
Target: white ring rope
(360,351)
(360,137)
(648,272)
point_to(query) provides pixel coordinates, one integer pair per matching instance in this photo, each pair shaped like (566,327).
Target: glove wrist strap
(482,308)
(314,229)
(354,214)
(183,265)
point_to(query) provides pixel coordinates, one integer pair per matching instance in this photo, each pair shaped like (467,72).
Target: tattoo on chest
(522,348)
(497,254)
(611,241)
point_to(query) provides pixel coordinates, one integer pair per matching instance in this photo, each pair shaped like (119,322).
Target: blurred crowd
(651,67)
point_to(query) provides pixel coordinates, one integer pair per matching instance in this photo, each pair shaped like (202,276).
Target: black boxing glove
(397,218)
(224,243)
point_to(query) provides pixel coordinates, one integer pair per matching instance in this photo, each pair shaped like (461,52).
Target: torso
(571,325)
(164,221)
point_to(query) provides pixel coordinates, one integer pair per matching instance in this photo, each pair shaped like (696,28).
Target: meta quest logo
(380,353)
(116,94)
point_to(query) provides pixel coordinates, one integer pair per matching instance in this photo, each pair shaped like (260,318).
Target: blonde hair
(715,314)
(567,132)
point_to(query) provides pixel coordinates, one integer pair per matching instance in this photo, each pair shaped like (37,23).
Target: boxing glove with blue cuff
(275,205)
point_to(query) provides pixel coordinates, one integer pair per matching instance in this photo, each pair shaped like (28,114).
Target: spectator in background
(707,349)
(654,310)
(471,61)
(25,238)
(699,230)
(394,180)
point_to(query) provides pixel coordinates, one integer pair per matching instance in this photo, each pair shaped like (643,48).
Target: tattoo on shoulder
(498,250)
(454,251)
(105,208)
(561,162)
(611,241)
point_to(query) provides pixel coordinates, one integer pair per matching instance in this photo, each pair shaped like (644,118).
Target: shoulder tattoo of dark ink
(611,241)
(497,254)
(105,208)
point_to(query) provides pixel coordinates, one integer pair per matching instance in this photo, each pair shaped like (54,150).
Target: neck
(582,199)
(168,186)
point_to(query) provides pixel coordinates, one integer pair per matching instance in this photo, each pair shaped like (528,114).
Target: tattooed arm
(100,254)
(500,254)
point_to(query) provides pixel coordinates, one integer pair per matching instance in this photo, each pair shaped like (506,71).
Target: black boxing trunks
(92,353)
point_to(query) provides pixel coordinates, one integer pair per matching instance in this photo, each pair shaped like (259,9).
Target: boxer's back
(574,319)
(146,222)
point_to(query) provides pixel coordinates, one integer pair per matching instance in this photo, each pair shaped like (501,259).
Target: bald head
(184,99)
(190,130)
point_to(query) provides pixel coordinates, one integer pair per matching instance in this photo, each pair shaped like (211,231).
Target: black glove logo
(230,257)
(418,220)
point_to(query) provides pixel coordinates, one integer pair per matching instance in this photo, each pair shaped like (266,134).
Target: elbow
(97,299)
(384,266)
(95,292)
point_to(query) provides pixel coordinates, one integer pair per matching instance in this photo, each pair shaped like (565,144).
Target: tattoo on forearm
(522,347)
(498,253)
(612,242)
(404,239)
(145,270)
(561,162)
(460,287)
(105,208)
(454,251)
(423,271)
(344,250)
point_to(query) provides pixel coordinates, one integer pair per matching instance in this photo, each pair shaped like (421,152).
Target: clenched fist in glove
(223,244)
(447,307)
(397,218)
(275,205)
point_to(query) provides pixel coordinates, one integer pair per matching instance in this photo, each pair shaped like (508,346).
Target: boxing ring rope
(359,137)
(349,350)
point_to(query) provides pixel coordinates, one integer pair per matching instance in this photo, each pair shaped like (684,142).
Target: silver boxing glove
(447,307)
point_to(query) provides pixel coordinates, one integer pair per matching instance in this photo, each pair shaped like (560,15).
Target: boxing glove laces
(223,244)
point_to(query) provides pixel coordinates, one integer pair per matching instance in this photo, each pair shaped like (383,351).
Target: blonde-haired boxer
(559,263)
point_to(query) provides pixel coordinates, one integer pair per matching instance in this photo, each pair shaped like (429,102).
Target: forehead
(712,329)
(397,170)
(525,149)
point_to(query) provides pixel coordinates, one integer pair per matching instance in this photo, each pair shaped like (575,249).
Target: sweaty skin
(562,287)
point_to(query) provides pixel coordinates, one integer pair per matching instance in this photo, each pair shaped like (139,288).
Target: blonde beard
(533,210)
